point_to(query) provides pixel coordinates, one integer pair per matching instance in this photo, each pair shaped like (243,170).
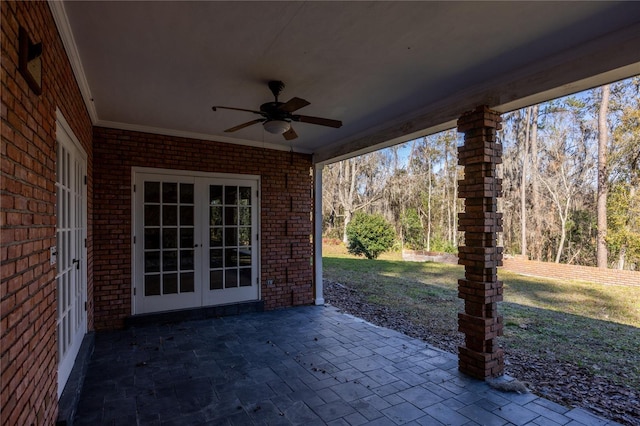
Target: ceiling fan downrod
(276,87)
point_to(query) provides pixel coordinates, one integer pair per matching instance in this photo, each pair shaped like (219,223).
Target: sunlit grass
(589,324)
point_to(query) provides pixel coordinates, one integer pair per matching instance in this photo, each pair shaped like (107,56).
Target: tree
(561,160)
(623,203)
(369,235)
(565,169)
(352,185)
(601,252)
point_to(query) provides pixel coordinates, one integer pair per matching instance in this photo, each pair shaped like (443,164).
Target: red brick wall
(285,206)
(572,272)
(28,349)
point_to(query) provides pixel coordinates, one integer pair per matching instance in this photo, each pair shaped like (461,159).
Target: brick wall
(28,347)
(572,272)
(285,206)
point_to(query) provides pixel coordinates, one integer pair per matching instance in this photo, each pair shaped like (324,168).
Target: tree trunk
(537,234)
(429,210)
(350,176)
(563,237)
(622,257)
(601,250)
(347,219)
(523,187)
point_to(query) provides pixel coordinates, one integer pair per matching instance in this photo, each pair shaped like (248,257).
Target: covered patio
(298,366)
(149,166)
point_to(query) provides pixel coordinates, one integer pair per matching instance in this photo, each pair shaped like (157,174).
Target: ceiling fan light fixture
(277,127)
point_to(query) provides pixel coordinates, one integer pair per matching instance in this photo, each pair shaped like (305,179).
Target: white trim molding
(317,232)
(194,135)
(66,34)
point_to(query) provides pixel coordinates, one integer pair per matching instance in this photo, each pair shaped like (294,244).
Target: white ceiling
(391,71)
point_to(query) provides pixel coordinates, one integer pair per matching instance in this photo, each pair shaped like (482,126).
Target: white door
(195,241)
(229,246)
(71,231)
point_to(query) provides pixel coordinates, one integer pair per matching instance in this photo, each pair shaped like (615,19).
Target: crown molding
(198,136)
(66,34)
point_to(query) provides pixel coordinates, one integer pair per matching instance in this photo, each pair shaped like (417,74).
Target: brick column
(480,356)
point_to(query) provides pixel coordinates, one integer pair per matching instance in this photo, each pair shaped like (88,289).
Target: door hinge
(85,306)
(134,291)
(134,188)
(134,239)
(85,243)
(85,179)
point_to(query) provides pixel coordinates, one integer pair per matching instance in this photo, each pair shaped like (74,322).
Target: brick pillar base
(480,357)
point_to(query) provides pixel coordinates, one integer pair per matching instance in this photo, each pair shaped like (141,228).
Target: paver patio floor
(311,365)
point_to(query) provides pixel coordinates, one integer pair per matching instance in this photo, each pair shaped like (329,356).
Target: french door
(71,252)
(195,241)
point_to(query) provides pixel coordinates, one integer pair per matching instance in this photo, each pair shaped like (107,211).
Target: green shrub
(369,235)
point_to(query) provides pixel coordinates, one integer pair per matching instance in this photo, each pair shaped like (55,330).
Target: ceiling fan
(277,116)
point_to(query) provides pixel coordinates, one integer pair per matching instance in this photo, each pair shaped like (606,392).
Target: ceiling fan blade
(317,120)
(215,108)
(293,104)
(243,125)
(290,134)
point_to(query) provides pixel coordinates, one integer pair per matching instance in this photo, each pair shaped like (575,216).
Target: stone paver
(302,366)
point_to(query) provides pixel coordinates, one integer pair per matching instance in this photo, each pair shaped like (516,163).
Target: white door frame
(199,178)
(71,252)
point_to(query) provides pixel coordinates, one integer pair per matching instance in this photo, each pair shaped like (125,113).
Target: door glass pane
(170,260)
(231,195)
(230,236)
(230,278)
(152,192)
(152,285)
(186,193)
(230,258)
(186,282)
(245,277)
(169,215)
(245,196)
(170,238)
(245,216)
(215,258)
(152,261)
(244,236)
(186,237)
(186,260)
(230,216)
(215,194)
(215,216)
(152,215)
(245,257)
(215,280)
(169,192)
(216,237)
(169,283)
(186,215)
(151,238)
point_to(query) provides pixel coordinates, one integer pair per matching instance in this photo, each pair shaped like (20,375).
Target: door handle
(77,263)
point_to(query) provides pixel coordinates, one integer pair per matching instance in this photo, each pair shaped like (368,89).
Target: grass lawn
(586,324)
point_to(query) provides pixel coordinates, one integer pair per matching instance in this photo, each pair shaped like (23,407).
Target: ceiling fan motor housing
(273,112)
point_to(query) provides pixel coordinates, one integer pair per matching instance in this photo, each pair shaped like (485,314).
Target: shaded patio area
(311,365)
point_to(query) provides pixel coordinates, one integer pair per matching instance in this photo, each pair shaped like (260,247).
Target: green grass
(587,324)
